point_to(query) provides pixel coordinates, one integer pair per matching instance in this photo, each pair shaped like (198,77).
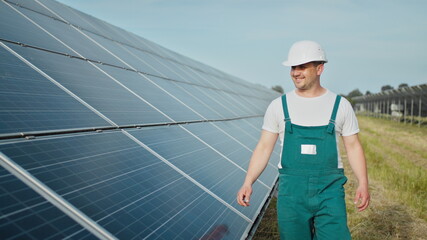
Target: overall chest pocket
(309,147)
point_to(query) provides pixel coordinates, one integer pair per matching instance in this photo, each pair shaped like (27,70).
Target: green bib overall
(311,194)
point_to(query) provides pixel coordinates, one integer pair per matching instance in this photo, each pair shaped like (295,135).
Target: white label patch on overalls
(308,149)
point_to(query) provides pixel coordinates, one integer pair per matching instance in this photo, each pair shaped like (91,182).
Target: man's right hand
(257,164)
(244,195)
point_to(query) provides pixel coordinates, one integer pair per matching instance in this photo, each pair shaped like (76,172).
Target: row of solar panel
(128,190)
(104,29)
(89,40)
(34,101)
(158,182)
(103,87)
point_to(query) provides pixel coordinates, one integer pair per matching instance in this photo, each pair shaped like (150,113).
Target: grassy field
(397,166)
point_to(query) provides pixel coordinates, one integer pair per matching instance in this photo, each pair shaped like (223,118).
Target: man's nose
(295,72)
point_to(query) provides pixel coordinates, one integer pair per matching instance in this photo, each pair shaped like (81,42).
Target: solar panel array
(104,134)
(413,98)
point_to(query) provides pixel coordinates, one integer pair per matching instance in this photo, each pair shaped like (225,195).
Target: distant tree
(386,87)
(354,93)
(403,85)
(278,89)
(368,93)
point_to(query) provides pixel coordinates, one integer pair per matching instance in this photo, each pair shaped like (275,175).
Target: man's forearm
(258,163)
(356,158)
(357,162)
(260,156)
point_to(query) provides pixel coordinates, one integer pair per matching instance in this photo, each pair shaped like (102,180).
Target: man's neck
(311,93)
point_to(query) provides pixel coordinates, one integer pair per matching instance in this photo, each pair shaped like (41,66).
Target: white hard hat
(303,52)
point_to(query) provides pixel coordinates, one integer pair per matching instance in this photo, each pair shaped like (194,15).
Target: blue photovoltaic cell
(77,18)
(153,94)
(184,73)
(248,104)
(155,49)
(127,55)
(24,214)
(30,102)
(259,106)
(231,148)
(152,62)
(161,65)
(230,108)
(200,78)
(187,97)
(237,105)
(223,143)
(235,129)
(213,221)
(70,15)
(255,103)
(177,57)
(230,104)
(72,38)
(256,123)
(103,29)
(248,128)
(32,5)
(200,162)
(84,21)
(220,84)
(204,94)
(177,213)
(224,84)
(15,27)
(182,187)
(121,186)
(94,87)
(233,87)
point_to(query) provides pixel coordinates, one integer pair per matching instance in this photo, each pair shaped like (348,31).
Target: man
(309,121)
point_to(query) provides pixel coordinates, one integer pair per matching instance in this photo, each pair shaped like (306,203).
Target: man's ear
(320,69)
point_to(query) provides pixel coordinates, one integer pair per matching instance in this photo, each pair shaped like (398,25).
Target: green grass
(396,154)
(387,146)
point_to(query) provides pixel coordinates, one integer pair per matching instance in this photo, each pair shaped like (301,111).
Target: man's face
(306,75)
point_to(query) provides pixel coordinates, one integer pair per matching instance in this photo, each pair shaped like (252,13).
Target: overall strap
(288,126)
(331,125)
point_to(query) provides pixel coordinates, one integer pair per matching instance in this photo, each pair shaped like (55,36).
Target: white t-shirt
(311,112)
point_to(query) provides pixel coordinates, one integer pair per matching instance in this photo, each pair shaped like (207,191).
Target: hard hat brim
(292,64)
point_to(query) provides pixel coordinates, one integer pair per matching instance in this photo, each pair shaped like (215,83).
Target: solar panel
(179,91)
(104,134)
(113,180)
(30,102)
(17,27)
(201,162)
(93,87)
(27,215)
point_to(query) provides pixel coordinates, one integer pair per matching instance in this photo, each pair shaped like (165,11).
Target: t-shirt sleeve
(270,118)
(350,126)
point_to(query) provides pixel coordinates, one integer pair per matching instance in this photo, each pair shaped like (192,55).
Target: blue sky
(368,43)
